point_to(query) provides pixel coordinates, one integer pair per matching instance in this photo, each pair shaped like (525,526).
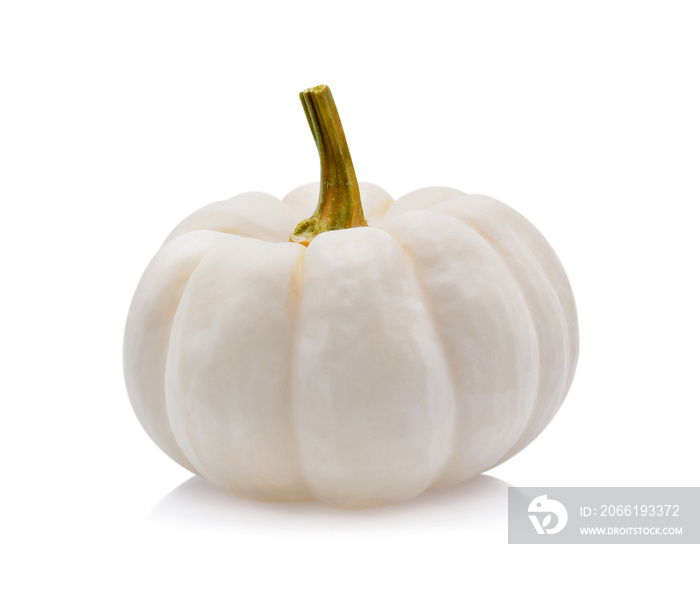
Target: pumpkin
(359,357)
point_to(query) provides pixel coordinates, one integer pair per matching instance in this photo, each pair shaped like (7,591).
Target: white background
(120,118)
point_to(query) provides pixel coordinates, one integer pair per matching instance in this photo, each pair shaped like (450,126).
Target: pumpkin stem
(339,203)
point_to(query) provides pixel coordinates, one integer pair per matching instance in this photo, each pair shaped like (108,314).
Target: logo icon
(546,508)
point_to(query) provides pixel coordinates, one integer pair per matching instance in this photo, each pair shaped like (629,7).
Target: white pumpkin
(362,369)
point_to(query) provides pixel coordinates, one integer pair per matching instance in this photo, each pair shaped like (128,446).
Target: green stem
(339,203)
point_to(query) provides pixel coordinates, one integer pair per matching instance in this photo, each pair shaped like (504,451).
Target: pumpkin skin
(376,363)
